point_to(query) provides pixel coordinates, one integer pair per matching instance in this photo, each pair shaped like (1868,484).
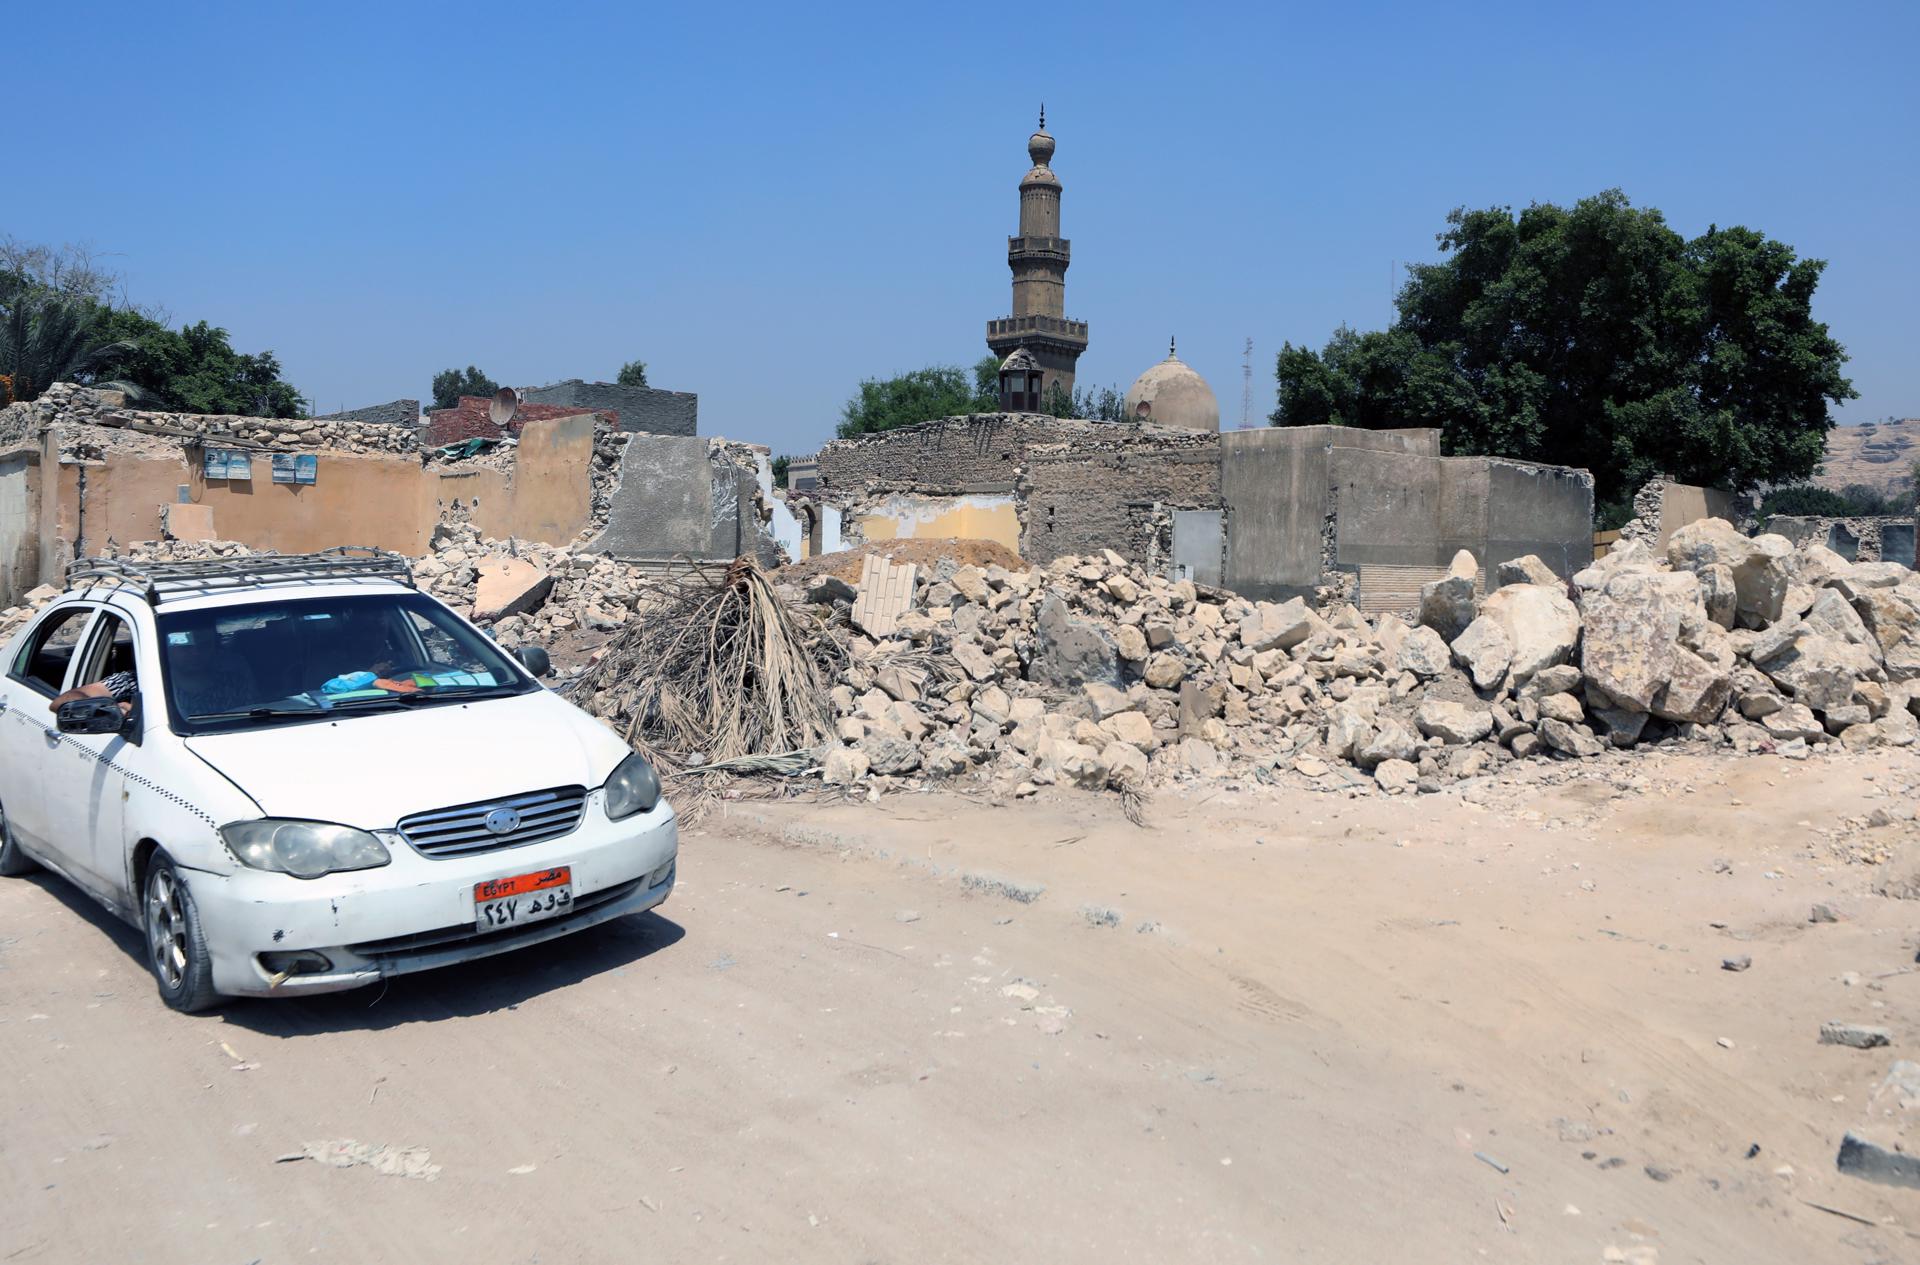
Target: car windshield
(266,663)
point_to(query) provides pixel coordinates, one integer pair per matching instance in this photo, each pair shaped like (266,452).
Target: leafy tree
(919,396)
(195,369)
(1804,499)
(780,465)
(1594,336)
(986,384)
(633,374)
(450,384)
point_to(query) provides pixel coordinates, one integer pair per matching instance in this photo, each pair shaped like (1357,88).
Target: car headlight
(304,849)
(633,788)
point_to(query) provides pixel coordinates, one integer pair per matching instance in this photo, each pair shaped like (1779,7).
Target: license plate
(500,903)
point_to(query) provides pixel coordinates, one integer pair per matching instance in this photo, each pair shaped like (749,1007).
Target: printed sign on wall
(228,463)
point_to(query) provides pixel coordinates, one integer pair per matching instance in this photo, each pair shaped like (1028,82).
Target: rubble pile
(1093,673)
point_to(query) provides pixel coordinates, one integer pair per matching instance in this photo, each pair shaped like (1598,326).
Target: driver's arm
(92,689)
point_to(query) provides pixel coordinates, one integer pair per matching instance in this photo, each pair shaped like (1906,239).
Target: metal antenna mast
(1246,384)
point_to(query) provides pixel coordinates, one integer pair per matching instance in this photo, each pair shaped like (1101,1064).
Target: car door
(29,742)
(86,783)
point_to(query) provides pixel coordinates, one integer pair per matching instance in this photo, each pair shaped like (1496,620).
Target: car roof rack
(169,581)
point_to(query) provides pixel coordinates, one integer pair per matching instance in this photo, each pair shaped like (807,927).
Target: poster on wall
(228,463)
(291,467)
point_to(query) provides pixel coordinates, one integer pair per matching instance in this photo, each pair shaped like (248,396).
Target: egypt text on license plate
(500,903)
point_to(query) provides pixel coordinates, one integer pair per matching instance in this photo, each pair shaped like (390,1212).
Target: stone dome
(1172,394)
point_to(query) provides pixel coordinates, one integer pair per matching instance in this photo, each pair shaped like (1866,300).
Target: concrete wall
(1274,485)
(1543,510)
(1199,545)
(1683,503)
(551,497)
(19,525)
(1118,498)
(677,499)
(646,409)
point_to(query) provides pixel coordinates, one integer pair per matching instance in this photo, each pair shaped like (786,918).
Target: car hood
(372,769)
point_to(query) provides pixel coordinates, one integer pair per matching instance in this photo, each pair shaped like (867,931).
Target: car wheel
(176,946)
(13,862)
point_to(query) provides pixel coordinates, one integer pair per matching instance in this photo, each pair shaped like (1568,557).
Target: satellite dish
(506,402)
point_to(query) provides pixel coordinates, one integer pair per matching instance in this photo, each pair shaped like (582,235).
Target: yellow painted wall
(942,518)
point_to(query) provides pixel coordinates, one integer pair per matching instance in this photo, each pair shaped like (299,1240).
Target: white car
(315,776)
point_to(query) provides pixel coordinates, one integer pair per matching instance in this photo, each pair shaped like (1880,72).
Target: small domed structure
(1172,394)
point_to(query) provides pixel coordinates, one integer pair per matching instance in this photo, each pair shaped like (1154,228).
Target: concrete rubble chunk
(1424,653)
(1821,672)
(1131,643)
(843,766)
(1485,651)
(1529,569)
(1631,634)
(1069,652)
(1104,699)
(1453,723)
(1885,1146)
(509,586)
(1392,741)
(888,755)
(1277,626)
(1719,593)
(1165,671)
(1396,777)
(1132,728)
(969,582)
(1560,679)
(1446,604)
(1573,740)
(1860,1036)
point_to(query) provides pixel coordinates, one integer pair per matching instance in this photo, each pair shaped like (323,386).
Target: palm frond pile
(716,672)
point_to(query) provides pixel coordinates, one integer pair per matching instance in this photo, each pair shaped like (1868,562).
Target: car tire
(13,862)
(176,945)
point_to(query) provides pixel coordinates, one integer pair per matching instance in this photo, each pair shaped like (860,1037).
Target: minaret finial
(1043,116)
(1169,347)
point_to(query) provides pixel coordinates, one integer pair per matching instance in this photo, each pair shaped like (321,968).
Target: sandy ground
(1274,1026)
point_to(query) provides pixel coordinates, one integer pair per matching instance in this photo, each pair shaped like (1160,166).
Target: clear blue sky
(768,203)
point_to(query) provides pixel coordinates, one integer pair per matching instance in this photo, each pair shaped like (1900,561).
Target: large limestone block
(1631,636)
(1068,653)
(1632,556)
(1820,672)
(1277,625)
(1892,615)
(1446,604)
(1542,625)
(1697,688)
(509,586)
(1392,741)
(1485,651)
(1762,565)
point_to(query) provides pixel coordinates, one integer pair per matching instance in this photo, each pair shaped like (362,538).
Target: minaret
(1038,258)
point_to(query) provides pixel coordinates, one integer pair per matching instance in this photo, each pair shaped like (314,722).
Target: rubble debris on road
(1881,1148)
(389,1161)
(1857,1035)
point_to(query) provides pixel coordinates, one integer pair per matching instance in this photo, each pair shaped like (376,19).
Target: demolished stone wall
(1857,538)
(1092,495)
(65,404)
(949,456)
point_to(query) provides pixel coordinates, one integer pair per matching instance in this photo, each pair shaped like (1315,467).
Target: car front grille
(463,831)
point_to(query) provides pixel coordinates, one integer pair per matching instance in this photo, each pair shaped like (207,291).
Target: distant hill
(1878,454)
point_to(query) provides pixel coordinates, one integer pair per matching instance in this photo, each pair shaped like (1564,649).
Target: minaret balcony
(1053,326)
(1025,248)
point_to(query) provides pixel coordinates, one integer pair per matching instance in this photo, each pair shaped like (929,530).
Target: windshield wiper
(259,713)
(464,691)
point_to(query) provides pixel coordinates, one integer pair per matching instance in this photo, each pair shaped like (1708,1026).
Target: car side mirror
(534,659)
(91,716)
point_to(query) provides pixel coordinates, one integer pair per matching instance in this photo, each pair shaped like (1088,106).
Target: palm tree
(47,337)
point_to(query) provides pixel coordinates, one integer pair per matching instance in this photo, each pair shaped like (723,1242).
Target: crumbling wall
(1857,539)
(19,524)
(1662,507)
(646,409)
(471,418)
(1116,495)
(65,404)
(949,456)
(393,413)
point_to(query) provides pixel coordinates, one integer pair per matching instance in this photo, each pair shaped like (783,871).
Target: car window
(43,661)
(280,661)
(111,651)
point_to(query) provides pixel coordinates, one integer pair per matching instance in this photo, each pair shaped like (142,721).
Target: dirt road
(1272,1026)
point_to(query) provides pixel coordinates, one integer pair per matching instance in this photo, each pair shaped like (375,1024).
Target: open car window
(110,652)
(42,662)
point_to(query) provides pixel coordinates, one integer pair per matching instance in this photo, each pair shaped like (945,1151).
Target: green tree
(1595,336)
(633,374)
(195,369)
(922,395)
(986,384)
(780,465)
(1798,499)
(450,384)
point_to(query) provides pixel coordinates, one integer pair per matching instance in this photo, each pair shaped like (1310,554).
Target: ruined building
(1038,345)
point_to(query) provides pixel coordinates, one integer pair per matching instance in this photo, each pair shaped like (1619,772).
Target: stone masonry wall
(393,413)
(1115,495)
(1860,539)
(646,409)
(66,404)
(949,456)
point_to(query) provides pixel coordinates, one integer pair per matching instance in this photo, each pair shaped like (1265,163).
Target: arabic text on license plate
(500,903)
